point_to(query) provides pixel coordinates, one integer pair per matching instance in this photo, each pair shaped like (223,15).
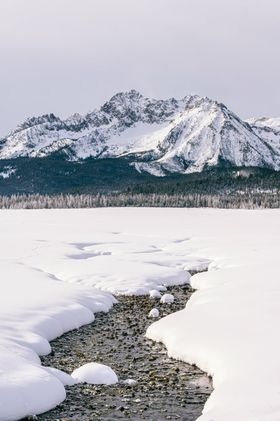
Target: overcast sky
(67,56)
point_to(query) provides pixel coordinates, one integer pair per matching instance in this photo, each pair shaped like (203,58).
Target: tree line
(234,200)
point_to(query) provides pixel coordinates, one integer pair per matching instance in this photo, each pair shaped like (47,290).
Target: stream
(165,389)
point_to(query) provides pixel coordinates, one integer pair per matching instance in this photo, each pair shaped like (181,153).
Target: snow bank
(94,373)
(34,308)
(229,326)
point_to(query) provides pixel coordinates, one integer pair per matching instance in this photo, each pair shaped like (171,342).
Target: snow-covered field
(58,267)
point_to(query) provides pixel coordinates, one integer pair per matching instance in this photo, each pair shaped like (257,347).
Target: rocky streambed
(165,389)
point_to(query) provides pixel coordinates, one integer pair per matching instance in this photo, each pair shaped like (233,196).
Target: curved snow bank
(33,310)
(25,388)
(229,327)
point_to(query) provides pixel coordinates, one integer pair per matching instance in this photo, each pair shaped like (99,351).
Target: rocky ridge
(160,136)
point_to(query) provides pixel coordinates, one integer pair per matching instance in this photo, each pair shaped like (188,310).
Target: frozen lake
(59,267)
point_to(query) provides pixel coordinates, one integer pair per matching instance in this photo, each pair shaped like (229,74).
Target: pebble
(130,382)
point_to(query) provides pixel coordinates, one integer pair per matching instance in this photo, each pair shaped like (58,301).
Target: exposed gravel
(165,390)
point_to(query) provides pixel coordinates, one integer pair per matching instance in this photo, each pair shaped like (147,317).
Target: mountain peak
(124,97)
(33,121)
(124,104)
(172,135)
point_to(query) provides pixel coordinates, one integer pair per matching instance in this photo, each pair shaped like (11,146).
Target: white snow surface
(95,373)
(58,267)
(273,122)
(229,326)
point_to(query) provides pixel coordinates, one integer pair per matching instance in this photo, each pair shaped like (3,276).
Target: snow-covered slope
(160,135)
(272,122)
(269,130)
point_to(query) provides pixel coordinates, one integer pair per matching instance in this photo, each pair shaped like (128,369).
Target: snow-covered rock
(167,299)
(154,293)
(94,373)
(154,313)
(183,136)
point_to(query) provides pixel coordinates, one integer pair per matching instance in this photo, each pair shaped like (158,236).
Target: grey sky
(64,56)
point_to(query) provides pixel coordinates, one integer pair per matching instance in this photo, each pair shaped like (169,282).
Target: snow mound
(94,373)
(154,293)
(154,313)
(167,299)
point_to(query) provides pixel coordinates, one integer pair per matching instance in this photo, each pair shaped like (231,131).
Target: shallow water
(166,389)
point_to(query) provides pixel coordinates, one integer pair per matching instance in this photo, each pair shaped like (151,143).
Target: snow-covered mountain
(172,135)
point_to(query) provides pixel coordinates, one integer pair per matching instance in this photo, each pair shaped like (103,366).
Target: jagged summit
(34,121)
(172,135)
